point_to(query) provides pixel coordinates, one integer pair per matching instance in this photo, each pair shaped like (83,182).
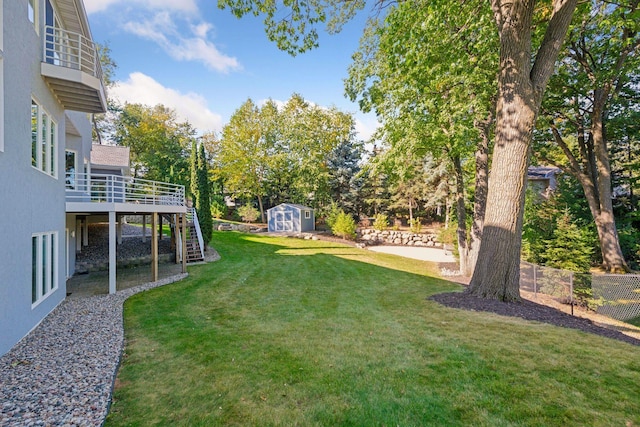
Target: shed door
(284,221)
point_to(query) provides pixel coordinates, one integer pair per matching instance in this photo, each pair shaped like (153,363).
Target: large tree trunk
(593,171)
(612,257)
(520,90)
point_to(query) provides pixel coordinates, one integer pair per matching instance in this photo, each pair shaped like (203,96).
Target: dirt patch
(529,310)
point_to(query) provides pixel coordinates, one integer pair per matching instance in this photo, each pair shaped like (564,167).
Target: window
(307,214)
(44,266)
(70,169)
(44,140)
(32,12)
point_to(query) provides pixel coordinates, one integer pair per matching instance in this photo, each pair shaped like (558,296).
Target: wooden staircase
(194,243)
(194,252)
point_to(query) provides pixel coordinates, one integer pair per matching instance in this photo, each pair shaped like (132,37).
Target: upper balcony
(71,67)
(93,193)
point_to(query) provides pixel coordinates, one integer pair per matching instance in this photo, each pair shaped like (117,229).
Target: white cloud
(279,104)
(142,89)
(163,31)
(187,6)
(365,127)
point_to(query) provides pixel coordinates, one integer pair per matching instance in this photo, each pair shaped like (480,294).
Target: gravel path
(416,252)
(62,373)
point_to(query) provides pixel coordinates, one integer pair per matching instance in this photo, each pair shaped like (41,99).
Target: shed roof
(110,155)
(293,205)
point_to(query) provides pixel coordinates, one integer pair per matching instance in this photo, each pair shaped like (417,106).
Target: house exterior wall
(32,201)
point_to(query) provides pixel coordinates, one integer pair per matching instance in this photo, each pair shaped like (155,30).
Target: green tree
(381,222)
(194,168)
(343,164)
(433,95)
(526,64)
(248,213)
(344,226)
(103,124)
(598,65)
(159,143)
(203,199)
(245,152)
(569,247)
(309,134)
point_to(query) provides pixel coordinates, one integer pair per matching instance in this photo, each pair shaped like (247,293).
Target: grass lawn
(284,332)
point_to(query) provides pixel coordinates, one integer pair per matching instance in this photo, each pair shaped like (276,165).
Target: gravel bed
(62,373)
(132,246)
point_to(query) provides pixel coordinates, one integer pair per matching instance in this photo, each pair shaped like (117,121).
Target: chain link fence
(617,295)
(613,295)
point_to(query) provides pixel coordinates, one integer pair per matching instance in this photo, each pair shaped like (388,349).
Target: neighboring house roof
(110,155)
(293,205)
(542,172)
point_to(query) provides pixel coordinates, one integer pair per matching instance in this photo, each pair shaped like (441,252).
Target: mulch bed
(528,310)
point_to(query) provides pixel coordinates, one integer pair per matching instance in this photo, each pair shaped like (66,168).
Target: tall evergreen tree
(344,165)
(193,183)
(203,206)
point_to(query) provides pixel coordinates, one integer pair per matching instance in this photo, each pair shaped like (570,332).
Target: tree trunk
(520,90)
(480,197)
(612,257)
(594,174)
(262,218)
(463,249)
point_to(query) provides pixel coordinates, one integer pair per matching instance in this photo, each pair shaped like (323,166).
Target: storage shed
(290,218)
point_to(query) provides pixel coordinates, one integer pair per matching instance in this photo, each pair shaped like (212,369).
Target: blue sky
(204,62)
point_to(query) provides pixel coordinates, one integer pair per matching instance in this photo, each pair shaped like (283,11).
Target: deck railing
(71,50)
(192,216)
(102,188)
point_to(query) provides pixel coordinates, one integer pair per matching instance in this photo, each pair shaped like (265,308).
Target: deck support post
(154,247)
(78,235)
(112,252)
(144,228)
(85,232)
(119,230)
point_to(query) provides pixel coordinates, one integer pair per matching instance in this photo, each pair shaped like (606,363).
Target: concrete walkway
(417,252)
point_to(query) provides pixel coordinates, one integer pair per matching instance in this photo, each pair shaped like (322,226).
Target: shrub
(248,213)
(570,247)
(332,215)
(344,226)
(415,225)
(447,235)
(381,222)
(218,208)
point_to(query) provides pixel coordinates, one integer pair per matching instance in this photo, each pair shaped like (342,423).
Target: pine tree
(570,246)
(193,184)
(203,205)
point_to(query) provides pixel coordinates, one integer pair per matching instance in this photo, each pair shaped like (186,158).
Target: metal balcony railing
(102,188)
(71,50)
